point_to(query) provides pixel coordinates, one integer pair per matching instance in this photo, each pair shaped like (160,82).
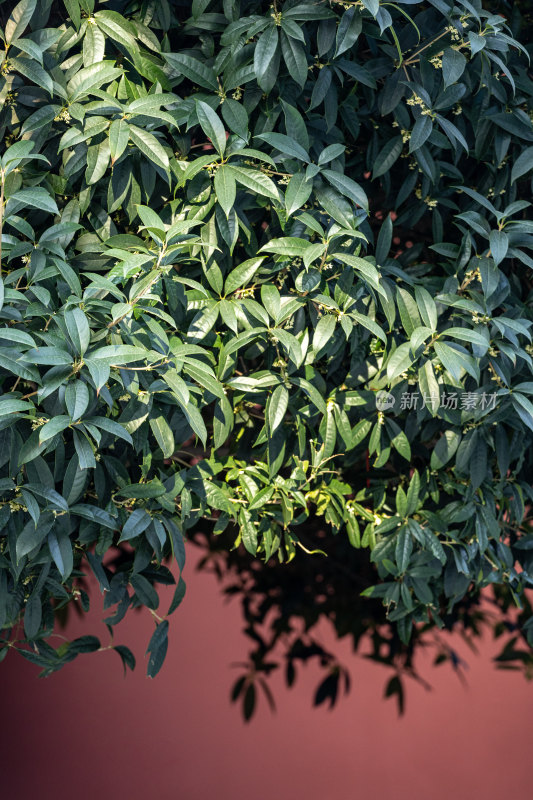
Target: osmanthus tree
(206,215)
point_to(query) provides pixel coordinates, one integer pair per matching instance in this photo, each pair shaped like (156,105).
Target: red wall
(87,732)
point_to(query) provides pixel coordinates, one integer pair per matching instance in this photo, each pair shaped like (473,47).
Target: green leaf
(33,72)
(294,57)
(399,440)
(117,28)
(76,399)
(387,156)
(466,335)
(93,45)
(53,427)
(453,66)
(262,497)
(408,310)
(61,551)
(285,144)
(36,197)
(18,20)
(367,270)
(298,192)
(452,132)
(33,535)
(211,126)
(330,153)
(524,408)
(372,6)
(445,449)
(119,134)
(276,407)
(413,494)
(193,69)
(426,307)
(84,450)
(126,656)
(225,189)
(287,246)
(266,58)
(163,434)
(369,324)
(350,27)
(429,387)
(149,146)
(499,245)
(451,360)
(143,490)
(404,549)
(89,79)
(236,117)
(308,11)
(523,164)
(110,426)
(400,361)
(242,274)
(8,407)
(145,591)
(248,531)
(434,546)
(223,421)
(95,514)
(117,354)
(254,180)
(157,648)
(421,132)
(78,329)
(271,300)
(136,524)
(18,368)
(32,616)
(150,103)
(347,187)
(194,418)
(323,332)
(179,594)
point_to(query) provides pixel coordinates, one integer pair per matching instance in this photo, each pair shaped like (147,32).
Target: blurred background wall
(88,732)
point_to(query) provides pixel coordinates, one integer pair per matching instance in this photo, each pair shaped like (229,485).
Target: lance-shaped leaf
(211,126)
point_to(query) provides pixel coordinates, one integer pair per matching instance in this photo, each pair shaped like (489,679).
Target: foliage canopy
(226,226)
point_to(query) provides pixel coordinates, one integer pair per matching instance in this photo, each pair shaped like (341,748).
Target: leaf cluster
(226,230)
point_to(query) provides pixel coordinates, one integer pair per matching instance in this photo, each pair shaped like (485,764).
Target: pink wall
(88,733)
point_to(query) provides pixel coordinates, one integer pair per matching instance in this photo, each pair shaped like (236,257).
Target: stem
(411,59)
(268,171)
(139,369)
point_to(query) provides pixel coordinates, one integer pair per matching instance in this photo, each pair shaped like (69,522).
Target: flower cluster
(415,100)
(63,116)
(454,33)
